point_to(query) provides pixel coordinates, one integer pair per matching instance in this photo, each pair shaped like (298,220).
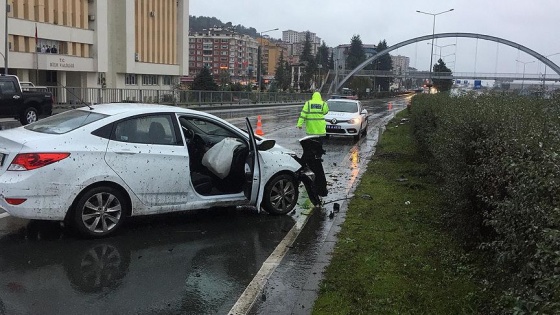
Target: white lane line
(249,296)
(4,215)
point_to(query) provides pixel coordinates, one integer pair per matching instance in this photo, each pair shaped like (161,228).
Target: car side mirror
(364,111)
(266,145)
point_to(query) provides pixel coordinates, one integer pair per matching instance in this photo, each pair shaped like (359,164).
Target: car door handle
(16,97)
(125,152)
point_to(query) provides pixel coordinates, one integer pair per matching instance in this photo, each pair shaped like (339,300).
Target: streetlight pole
(6,43)
(441,47)
(524,64)
(433,37)
(260,57)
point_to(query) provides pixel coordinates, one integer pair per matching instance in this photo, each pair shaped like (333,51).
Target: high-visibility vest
(313,114)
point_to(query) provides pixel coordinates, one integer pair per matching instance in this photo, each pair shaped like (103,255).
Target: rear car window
(65,122)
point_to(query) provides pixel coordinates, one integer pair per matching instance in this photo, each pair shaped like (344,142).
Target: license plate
(333,127)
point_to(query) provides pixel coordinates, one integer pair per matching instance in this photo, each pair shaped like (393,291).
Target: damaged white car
(95,166)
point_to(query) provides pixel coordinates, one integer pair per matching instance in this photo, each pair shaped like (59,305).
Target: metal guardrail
(76,95)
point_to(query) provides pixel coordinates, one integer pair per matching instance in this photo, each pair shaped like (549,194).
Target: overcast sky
(532,23)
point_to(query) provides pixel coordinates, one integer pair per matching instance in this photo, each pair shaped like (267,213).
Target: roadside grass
(393,255)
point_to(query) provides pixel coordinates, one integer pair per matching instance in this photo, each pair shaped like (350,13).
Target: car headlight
(354,121)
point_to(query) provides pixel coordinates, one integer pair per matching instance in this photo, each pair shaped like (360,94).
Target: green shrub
(497,159)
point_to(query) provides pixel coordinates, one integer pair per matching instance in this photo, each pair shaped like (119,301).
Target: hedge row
(497,157)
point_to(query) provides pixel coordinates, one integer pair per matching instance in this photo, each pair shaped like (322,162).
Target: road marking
(4,215)
(249,296)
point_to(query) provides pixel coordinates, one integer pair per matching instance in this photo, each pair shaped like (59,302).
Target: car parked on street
(346,117)
(94,166)
(25,104)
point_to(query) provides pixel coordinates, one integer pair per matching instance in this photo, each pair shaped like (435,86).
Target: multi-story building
(271,55)
(400,64)
(340,54)
(96,43)
(220,49)
(294,41)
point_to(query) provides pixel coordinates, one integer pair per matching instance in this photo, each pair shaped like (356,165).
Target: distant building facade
(99,43)
(401,64)
(220,50)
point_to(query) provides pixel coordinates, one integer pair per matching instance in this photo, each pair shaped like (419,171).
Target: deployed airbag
(218,158)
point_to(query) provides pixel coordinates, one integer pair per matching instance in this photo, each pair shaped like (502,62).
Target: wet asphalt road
(187,263)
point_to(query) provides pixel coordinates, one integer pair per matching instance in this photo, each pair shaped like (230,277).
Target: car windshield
(64,122)
(345,107)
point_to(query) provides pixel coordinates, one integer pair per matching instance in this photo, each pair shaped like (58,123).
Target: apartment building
(272,50)
(224,50)
(294,41)
(400,64)
(340,54)
(137,44)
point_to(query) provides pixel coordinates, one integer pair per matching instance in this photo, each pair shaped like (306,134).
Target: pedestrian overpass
(422,74)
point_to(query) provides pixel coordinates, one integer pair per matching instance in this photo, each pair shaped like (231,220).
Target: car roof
(137,108)
(343,100)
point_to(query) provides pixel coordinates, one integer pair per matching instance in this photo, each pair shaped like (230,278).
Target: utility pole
(6,42)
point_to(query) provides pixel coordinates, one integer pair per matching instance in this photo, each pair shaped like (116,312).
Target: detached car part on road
(94,166)
(346,117)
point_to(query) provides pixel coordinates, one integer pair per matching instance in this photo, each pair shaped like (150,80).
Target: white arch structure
(499,40)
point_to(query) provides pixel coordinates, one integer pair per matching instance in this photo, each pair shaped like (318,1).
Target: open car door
(252,168)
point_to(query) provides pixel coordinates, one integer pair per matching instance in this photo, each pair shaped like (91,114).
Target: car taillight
(31,161)
(15,201)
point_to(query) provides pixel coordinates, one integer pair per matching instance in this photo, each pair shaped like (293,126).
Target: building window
(149,79)
(130,79)
(168,80)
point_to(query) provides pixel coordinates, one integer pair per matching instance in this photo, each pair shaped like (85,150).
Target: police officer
(313,115)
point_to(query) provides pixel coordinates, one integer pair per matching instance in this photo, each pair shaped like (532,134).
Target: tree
(286,84)
(204,81)
(322,57)
(281,73)
(356,54)
(442,84)
(225,79)
(331,61)
(310,64)
(383,63)
(361,85)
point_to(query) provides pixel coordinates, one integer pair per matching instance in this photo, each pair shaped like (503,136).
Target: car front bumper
(343,129)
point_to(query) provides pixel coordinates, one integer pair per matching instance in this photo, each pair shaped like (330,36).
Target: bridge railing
(77,95)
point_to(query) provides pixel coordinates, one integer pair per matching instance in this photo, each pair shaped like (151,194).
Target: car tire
(280,194)
(29,116)
(99,212)
(357,136)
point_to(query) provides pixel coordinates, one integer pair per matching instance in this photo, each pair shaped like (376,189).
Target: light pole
(259,77)
(6,43)
(441,47)
(4,57)
(544,76)
(433,36)
(524,64)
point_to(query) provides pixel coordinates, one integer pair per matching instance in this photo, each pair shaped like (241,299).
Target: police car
(346,117)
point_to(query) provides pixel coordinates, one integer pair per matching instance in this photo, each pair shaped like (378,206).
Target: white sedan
(94,166)
(346,117)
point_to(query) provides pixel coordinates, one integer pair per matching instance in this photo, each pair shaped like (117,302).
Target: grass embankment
(392,255)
